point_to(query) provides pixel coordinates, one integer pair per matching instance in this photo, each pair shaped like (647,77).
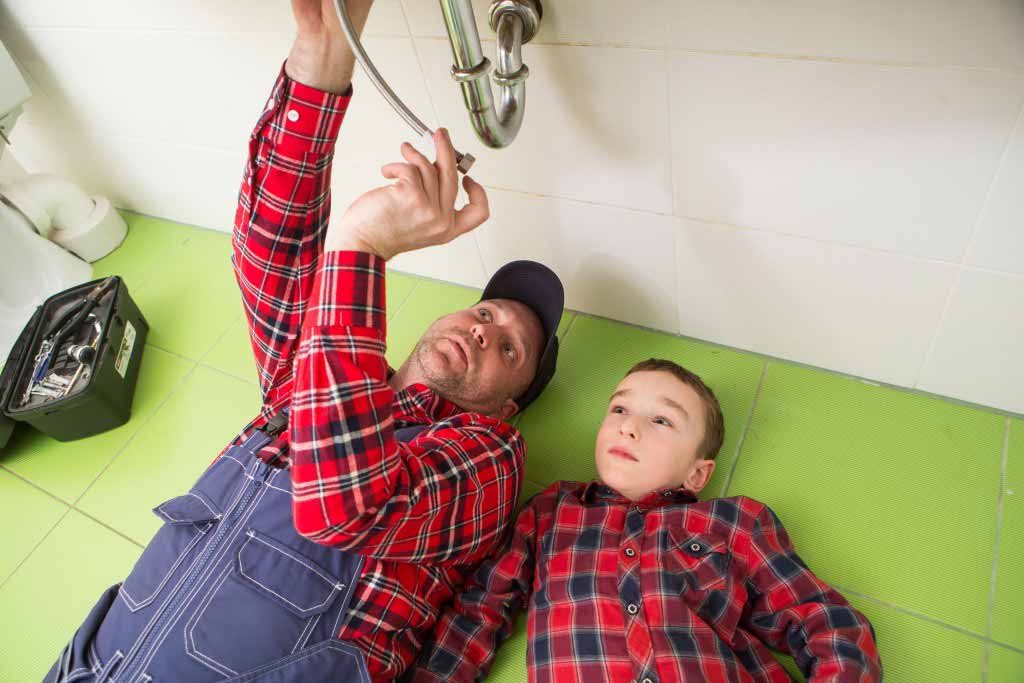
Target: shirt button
(695,547)
(293,116)
(632,609)
(647,680)
(630,552)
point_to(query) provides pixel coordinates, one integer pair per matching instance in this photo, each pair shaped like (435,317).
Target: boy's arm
(282,214)
(480,618)
(792,610)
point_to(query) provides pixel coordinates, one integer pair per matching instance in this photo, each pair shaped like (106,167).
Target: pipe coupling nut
(473,73)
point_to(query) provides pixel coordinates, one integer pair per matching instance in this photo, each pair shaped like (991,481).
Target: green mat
(897,498)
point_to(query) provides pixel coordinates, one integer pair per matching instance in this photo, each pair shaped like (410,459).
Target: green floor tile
(171,451)
(193,298)
(27,514)
(233,353)
(398,286)
(49,596)
(914,650)
(1005,666)
(561,426)
(510,663)
(428,302)
(888,493)
(67,468)
(150,244)
(1008,610)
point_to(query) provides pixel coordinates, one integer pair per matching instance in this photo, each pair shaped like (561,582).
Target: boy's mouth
(622,453)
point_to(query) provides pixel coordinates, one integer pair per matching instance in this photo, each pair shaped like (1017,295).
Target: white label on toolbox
(124,353)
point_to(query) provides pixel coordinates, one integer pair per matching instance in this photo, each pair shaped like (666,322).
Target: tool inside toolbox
(66,346)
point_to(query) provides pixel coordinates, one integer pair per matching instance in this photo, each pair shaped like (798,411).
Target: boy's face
(649,437)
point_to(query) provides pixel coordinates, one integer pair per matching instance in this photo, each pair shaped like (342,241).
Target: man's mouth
(460,349)
(622,453)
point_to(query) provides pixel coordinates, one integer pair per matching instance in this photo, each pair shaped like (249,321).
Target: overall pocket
(264,605)
(186,518)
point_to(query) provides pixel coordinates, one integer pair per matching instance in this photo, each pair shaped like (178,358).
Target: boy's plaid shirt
(664,590)
(423,512)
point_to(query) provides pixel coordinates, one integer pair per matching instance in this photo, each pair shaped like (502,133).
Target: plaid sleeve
(792,610)
(447,496)
(282,213)
(480,618)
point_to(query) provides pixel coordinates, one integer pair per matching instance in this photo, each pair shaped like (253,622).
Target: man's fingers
(427,171)
(449,180)
(476,211)
(406,172)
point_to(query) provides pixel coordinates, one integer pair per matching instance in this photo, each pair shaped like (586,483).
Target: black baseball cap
(536,286)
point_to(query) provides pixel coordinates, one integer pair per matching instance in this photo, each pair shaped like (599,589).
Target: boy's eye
(485,312)
(615,409)
(510,350)
(663,421)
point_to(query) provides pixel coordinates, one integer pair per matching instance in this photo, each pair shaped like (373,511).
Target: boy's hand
(416,211)
(321,57)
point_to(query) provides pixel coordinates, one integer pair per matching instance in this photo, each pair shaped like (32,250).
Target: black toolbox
(100,396)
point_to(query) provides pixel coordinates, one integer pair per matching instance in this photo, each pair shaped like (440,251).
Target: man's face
(482,357)
(650,435)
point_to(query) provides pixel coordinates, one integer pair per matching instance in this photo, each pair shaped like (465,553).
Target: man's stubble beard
(453,388)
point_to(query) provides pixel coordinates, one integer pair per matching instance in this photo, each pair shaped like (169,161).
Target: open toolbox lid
(12,370)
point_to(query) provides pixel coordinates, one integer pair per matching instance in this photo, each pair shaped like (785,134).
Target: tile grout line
(401,305)
(912,613)
(746,426)
(120,451)
(995,551)
(34,548)
(71,506)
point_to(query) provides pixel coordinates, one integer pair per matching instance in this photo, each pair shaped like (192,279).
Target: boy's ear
(700,476)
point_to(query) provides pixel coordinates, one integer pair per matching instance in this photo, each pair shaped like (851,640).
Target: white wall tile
(199,88)
(612,262)
(186,183)
(977,355)
(893,158)
(605,22)
(595,126)
(950,32)
(1000,240)
(863,312)
(458,262)
(182,15)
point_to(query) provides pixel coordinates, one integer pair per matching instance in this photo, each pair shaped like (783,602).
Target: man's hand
(416,211)
(321,57)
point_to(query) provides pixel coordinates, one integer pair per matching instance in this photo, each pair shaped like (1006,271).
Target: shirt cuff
(348,290)
(299,119)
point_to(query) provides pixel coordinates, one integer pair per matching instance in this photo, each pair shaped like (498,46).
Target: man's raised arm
(285,200)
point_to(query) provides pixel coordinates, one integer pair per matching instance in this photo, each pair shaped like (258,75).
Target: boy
(633,579)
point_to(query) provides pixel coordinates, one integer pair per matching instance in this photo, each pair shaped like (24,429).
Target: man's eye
(510,350)
(485,312)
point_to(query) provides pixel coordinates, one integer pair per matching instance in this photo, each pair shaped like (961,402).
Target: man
(323,541)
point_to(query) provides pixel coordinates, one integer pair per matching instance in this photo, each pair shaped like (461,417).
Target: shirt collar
(419,404)
(596,490)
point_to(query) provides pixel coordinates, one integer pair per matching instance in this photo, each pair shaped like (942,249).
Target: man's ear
(700,476)
(507,410)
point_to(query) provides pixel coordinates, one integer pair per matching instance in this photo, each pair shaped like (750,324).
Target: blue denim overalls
(227,590)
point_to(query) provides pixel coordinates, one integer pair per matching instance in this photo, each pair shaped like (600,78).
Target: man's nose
(482,334)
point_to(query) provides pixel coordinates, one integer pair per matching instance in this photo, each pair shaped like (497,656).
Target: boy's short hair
(714,423)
